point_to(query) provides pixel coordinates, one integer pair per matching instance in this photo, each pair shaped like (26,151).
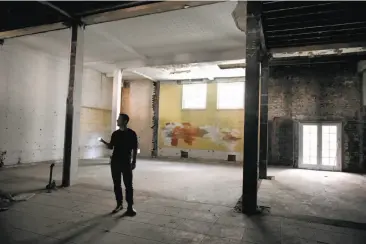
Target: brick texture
(321,92)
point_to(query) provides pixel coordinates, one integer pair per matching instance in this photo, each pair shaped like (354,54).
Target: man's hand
(133,165)
(108,145)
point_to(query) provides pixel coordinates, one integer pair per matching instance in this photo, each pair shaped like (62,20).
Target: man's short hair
(125,117)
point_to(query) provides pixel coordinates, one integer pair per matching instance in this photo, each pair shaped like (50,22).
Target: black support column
(72,123)
(263,134)
(251,124)
(155,119)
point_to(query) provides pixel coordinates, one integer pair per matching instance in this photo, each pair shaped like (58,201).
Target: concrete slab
(80,214)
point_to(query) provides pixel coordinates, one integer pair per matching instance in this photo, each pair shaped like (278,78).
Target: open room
(249,122)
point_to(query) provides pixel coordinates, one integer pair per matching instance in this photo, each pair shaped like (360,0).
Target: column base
(260,210)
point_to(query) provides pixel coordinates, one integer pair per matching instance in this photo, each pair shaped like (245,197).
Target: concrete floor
(304,204)
(318,195)
(188,181)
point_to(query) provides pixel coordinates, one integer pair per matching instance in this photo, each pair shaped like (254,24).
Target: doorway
(320,146)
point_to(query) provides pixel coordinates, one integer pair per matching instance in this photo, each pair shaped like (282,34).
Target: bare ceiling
(198,34)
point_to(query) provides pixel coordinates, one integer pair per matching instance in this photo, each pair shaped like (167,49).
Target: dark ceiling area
(300,23)
(83,9)
(285,23)
(18,15)
(326,59)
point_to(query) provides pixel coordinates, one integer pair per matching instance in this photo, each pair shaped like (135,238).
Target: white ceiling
(200,34)
(184,72)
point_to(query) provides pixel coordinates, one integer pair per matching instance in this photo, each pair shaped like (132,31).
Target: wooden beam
(57,9)
(32,30)
(316,47)
(262,38)
(123,13)
(148,9)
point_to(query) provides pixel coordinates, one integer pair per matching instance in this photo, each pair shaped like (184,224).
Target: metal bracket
(265,55)
(78,22)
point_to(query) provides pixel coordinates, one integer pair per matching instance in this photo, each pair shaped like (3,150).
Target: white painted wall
(140,113)
(198,154)
(96,106)
(33,89)
(97,90)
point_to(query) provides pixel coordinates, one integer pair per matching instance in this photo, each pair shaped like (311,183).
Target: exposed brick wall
(318,92)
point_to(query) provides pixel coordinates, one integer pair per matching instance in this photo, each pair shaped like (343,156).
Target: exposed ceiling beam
(323,52)
(306,14)
(32,30)
(309,39)
(318,60)
(317,47)
(152,8)
(261,32)
(59,10)
(317,26)
(124,13)
(316,32)
(140,74)
(298,7)
(261,37)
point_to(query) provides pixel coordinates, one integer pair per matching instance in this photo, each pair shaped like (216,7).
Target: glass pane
(325,161)
(333,145)
(333,129)
(329,145)
(194,96)
(310,144)
(230,95)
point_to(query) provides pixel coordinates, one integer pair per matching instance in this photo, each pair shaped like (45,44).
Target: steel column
(250,168)
(263,134)
(72,123)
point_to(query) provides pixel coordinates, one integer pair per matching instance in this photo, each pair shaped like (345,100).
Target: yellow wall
(228,123)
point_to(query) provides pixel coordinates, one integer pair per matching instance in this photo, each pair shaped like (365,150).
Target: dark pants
(119,168)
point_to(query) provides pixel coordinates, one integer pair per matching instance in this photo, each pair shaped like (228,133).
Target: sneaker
(118,208)
(131,212)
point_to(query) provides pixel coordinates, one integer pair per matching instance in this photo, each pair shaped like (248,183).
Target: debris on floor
(238,205)
(23,197)
(6,199)
(5,196)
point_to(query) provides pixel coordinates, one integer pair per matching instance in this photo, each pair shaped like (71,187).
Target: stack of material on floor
(6,199)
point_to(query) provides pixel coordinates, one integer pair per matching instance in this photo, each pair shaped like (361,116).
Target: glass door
(320,146)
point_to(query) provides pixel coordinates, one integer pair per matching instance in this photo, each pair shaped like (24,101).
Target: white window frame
(220,87)
(191,94)
(319,165)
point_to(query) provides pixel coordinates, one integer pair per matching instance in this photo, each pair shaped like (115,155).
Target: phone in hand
(103,141)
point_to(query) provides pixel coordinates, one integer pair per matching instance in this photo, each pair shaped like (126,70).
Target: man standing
(123,142)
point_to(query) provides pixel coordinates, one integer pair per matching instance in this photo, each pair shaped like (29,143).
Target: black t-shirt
(123,142)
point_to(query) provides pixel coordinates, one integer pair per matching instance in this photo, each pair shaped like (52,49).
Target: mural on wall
(175,134)
(209,129)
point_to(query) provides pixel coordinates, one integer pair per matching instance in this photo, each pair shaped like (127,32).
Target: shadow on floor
(324,221)
(310,219)
(90,231)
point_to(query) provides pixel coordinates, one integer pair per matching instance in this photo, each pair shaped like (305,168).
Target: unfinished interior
(258,101)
